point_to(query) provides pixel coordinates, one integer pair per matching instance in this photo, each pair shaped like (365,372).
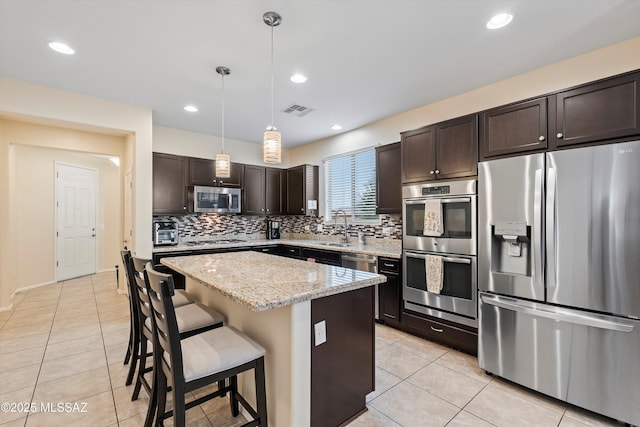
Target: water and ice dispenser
(511,248)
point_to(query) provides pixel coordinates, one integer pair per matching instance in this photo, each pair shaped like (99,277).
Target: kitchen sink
(340,245)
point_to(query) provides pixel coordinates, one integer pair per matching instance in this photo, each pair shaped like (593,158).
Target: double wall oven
(452,246)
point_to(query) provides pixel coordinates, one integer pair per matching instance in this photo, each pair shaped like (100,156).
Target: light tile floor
(66,342)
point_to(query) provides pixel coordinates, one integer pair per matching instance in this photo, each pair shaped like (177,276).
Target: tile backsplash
(195,226)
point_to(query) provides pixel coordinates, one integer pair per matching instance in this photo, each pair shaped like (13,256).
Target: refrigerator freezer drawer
(585,359)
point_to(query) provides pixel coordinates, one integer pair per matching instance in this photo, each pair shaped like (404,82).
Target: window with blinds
(350,185)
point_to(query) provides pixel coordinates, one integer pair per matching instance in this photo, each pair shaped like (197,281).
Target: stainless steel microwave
(219,200)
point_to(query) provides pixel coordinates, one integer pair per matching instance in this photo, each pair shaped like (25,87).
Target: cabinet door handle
(437,330)
(437,171)
(262,210)
(541,138)
(267,210)
(292,250)
(560,135)
(432,172)
(386,264)
(184,208)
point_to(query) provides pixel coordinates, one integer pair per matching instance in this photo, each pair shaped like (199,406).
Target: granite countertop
(378,249)
(263,282)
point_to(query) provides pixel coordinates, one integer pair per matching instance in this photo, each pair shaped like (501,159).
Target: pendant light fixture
(223,160)
(272,145)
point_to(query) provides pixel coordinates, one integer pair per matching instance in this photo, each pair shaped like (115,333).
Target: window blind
(350,185)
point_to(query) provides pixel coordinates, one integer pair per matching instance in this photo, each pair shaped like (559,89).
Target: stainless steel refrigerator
(559,275)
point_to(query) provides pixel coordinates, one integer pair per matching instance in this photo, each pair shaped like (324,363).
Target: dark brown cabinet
(457,147)
(264,190)
(444,150)
(275,191)
(514,129)
(599,111)
(390,292)
(418,154)
(254,194)
(169,189)
(203,172)
(388,179)
(302,186)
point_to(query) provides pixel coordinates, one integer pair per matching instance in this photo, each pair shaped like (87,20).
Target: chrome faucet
(345,238)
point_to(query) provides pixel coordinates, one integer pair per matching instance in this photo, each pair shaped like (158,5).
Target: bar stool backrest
(167,335)
(133,295)
(144,305)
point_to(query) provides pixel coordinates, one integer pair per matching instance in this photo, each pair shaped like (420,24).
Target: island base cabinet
(342,368)
(307,385)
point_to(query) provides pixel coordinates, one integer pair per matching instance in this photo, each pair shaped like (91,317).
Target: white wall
(185,143)
(42,104)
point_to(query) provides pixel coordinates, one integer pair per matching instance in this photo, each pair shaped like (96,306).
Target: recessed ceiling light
(298,78)
(336,127)
(500,20)
(61,48)
(191,108)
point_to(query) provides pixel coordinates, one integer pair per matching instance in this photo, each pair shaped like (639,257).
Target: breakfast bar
(315,322)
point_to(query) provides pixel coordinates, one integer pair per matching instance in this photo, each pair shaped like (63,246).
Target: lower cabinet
(390,292)
(454,335)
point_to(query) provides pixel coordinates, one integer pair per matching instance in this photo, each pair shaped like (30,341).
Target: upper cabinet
(388,179)
(418,154)
(514,128)
(599,111)
(254,191)
(169,190)
(440,151)
(271,191)
(302,186)
(275,192)
(457,147)
(203,172)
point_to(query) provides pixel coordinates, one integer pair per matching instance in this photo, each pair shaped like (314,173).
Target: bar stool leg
(261,394)
(141,368)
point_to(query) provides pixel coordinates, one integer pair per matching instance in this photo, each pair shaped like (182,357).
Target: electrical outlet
(320,330)
(319,227)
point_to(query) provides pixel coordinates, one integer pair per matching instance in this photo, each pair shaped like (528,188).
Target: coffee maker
(273,229)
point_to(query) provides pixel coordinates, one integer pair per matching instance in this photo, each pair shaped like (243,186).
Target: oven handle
(421,201)
(444,258)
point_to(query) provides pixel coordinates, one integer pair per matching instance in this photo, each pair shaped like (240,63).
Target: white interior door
(76,221)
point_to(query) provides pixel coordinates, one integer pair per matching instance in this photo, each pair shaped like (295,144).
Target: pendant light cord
(223,113)
(272,126)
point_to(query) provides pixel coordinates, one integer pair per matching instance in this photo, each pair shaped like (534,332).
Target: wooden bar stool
(180,298)
(191,363)
(193,318)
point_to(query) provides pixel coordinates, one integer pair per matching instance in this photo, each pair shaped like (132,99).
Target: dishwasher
(363,262)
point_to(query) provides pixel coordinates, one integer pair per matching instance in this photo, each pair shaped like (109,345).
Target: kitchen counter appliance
(558,274)
(273,229)
(220,200)
(165,233)
(454,248)
(363,262)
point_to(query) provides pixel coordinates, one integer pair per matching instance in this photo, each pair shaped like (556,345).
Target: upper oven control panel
(436,191)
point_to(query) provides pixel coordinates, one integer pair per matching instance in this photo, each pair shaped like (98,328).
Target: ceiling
(365,60)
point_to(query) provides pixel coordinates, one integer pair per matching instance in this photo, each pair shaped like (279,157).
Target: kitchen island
(291,307)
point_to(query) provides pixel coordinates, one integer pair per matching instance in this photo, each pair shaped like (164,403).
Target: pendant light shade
(272,142)
(271,147)
(223,160)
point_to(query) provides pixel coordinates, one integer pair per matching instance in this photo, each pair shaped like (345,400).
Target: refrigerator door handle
(556,314)
(551,227)
(538,237)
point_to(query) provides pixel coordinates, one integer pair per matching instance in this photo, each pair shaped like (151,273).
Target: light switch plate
(320,330)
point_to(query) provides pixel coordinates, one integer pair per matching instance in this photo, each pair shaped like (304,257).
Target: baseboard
(28,288)
(6,307)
